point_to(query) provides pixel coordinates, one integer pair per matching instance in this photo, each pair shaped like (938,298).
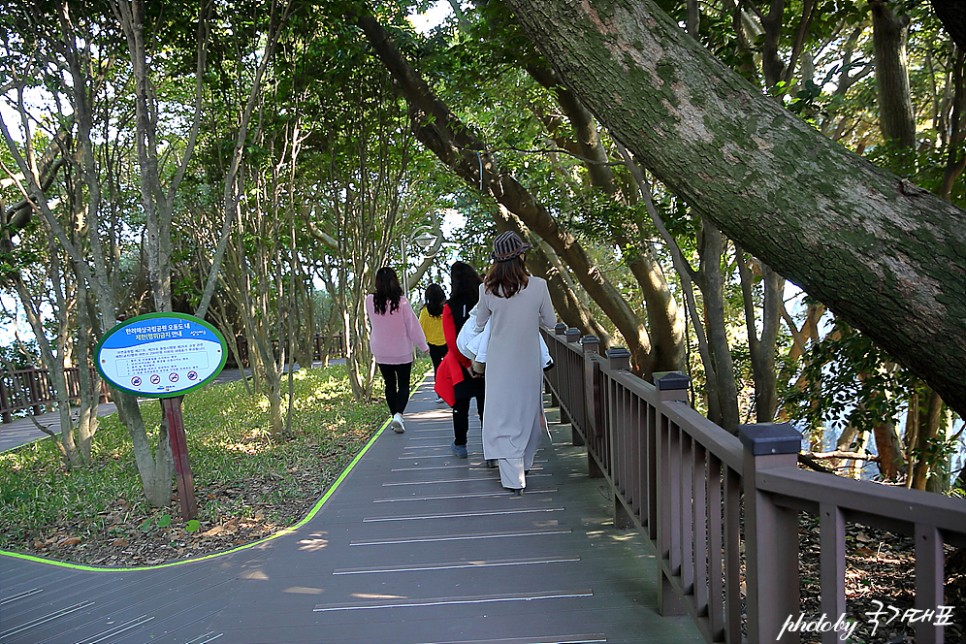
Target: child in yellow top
(431,320)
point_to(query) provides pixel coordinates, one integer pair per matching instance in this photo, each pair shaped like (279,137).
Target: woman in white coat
(515,303)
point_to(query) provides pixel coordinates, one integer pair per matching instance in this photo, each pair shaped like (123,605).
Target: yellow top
(432,327)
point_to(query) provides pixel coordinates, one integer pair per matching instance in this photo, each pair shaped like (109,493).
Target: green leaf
(192,526)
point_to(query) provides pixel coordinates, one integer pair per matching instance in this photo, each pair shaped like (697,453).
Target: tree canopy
(672,164)
(886,255)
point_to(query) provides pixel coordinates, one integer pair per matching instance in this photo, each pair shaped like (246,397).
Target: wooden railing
(31,390)
(698,492)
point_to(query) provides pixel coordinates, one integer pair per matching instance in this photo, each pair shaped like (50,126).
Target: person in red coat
(455,382)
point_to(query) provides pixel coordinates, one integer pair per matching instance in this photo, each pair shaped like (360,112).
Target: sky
(423,22)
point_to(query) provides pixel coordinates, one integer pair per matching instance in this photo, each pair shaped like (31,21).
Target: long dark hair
(465,282)
(505,279)
(435,297)
(388,291)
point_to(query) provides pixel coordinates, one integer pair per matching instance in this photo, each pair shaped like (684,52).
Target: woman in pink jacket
(394,331)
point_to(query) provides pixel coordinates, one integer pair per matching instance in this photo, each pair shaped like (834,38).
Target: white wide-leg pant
(512,470)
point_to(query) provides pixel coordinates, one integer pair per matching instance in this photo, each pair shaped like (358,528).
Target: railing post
(5,403)
(562,375)
(618,359)
(771,535)
(36,389)
(591,347)
(671,387)
(573,384)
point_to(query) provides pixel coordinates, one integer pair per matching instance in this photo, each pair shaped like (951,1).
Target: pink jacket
(393,335)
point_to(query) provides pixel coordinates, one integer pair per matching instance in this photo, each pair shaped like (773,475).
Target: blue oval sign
(161,355)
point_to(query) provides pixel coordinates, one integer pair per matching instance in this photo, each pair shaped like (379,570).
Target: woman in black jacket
(464,293)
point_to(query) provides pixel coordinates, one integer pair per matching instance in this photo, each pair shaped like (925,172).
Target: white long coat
(514,405)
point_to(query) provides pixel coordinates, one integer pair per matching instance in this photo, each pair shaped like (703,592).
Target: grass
(239,471)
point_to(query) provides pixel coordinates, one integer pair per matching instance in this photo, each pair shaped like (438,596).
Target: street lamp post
(425,239)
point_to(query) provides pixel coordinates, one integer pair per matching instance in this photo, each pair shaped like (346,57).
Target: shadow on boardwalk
(411,545)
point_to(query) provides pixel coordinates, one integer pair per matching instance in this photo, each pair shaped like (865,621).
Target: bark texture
(883,254)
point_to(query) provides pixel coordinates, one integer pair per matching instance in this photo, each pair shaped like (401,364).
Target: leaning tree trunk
(883,254)
(468,156)
(665,323)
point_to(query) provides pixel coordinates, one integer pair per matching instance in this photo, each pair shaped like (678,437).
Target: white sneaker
(397,423)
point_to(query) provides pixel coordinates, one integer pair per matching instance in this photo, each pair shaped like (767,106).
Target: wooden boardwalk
(413,545)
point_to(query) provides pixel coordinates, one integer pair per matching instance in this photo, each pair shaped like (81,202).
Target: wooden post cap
(770,438)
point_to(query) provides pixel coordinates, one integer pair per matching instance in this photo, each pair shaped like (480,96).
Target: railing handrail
(722,444)
(684,482)
(30,388)
(865,498)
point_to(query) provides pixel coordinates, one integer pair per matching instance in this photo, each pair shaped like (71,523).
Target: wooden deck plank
(415,546)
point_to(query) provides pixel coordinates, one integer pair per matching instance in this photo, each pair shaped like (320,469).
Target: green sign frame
(161,355)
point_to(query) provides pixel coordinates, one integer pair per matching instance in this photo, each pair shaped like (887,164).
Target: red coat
(450,372)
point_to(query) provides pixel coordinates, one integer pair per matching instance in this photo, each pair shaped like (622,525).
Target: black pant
(436,353)
(396,377)
(461,411)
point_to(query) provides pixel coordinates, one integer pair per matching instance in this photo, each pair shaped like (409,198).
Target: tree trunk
(889,448)
(883,254)
(89,386)
(896,116)
(952,13)
(711,247)
(772,64)
(853,440)
(955,152)
(762,347)
(929,428)
(157,234)
(156,468)
(566,303)
(665,324)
